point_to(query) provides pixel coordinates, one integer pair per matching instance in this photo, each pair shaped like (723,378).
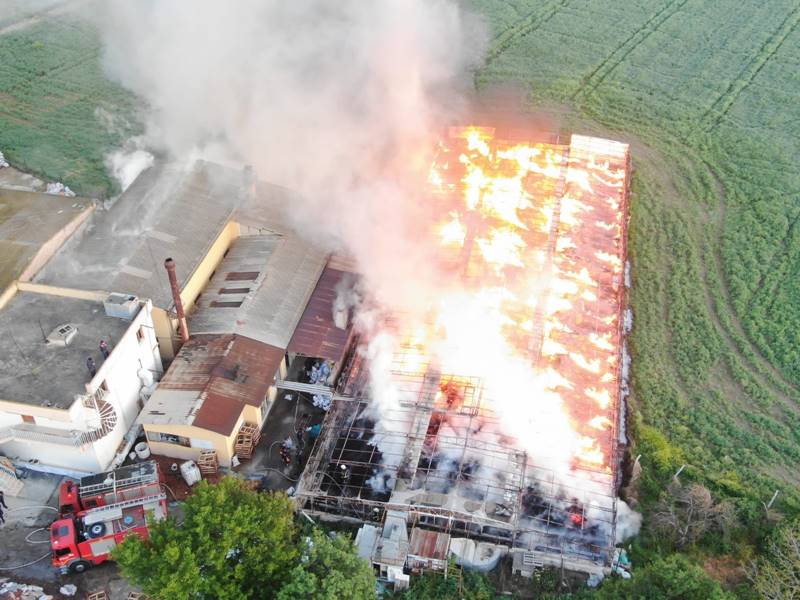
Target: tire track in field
(599,74)
(735,322)
(522,28)
(717,111)
(780,254)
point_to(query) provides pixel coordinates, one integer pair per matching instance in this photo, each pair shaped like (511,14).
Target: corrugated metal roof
(167,212)
(287,270)
(429,544)
(229,371)
(316,334)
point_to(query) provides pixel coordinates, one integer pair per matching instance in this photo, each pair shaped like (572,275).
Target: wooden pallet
(247,439)
(101,595)
(208,462)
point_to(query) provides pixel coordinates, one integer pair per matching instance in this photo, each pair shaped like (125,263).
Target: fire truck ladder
(101,513)
(119,484)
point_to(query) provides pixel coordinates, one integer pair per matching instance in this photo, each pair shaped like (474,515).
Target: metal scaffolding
(442,456)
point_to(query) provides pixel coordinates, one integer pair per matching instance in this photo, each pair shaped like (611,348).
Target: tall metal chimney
(169,264)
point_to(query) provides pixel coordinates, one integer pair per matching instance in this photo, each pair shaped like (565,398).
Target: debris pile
(59,189)
(11,590)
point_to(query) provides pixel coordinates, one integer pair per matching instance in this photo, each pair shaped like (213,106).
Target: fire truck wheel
(97,530)
(79,566)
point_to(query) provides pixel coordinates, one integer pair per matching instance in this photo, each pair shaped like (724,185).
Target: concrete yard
(266,462)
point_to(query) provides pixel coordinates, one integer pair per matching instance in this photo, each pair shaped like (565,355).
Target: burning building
(495,417)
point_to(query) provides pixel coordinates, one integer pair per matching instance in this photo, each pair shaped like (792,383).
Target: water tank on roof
(124,306)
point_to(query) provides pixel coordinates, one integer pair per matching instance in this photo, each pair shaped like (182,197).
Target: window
(264,406)
(104,385)
(220,304)
(28,419)
(167,438)
(242,290)
(140,333)
(242,276)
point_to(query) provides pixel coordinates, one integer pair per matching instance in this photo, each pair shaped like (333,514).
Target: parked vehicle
(98,512)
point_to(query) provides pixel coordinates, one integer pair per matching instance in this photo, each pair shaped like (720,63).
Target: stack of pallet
(208,462)
(247,440)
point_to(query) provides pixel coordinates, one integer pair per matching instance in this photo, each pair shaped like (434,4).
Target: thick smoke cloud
(338,100)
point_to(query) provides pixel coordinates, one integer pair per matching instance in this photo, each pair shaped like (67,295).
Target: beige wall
(199,278)
(49,248)
(8,293)
(223,445)
(52,290)
(165,324)
(166,333)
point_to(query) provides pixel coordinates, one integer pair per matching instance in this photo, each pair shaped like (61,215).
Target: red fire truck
(98,512)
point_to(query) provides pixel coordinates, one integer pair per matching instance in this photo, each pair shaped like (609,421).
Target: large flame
(535,234)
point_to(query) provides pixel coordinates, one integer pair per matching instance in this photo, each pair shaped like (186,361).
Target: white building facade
(96,429)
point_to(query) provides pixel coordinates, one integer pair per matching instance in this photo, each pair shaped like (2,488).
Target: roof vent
(124,306)
(61,335)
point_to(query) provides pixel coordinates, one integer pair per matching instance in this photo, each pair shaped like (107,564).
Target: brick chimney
(169,264)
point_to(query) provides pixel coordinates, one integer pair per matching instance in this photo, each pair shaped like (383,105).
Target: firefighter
(91,366)
(286,455)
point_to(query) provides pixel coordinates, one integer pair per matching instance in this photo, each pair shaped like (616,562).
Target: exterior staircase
(108,418)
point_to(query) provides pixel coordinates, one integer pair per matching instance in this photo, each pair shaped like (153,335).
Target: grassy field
(59,115)
(705,92)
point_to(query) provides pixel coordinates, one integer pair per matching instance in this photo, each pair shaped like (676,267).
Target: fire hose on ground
(33,562)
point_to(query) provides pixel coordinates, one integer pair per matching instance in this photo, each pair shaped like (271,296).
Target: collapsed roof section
(522,453)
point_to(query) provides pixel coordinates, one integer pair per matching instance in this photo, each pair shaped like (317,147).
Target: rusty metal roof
(316,334)
(429,544)
(229,371)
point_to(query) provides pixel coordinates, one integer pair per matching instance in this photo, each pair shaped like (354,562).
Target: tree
(670,578)
(233,543)
(776,576)
(459,585)
(329,569)
(686,512)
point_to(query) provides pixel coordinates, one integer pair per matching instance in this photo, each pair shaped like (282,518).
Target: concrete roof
(27,221)
(260,288)
(169,211)
(40,374)
(171,407)
(210,381)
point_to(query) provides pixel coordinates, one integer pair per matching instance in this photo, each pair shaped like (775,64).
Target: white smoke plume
(628,522)
(127,164)
(340,101)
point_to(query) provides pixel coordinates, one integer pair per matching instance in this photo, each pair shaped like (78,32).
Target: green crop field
(59,115)
(706,93)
